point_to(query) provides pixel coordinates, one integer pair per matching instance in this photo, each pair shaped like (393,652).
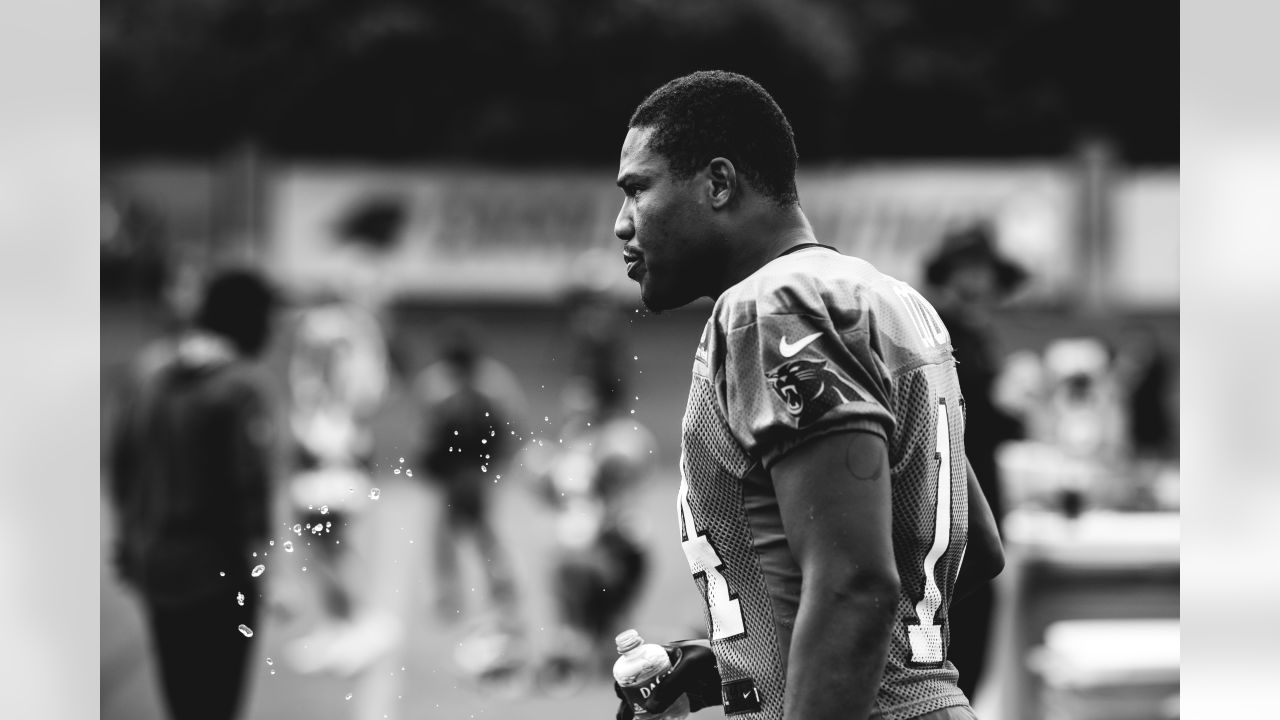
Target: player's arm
(984,555)
(835,497)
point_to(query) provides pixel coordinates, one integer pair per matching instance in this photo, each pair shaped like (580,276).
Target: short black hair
(237,305)
(713,113)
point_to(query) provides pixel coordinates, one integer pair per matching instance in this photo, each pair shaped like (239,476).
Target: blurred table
(1100,565)
(1109,670)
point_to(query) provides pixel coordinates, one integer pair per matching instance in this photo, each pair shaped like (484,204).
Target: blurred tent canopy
(554,81)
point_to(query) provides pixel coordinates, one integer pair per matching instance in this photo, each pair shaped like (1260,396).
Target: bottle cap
(628,639)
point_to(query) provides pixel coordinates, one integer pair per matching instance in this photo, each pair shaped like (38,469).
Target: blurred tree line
(522,81)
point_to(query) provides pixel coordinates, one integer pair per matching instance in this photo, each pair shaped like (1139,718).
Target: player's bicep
(835,497)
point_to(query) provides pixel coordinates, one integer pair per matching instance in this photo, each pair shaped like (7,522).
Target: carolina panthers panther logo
(808,389)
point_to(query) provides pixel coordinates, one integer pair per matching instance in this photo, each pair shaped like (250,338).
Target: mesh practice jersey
(817,342)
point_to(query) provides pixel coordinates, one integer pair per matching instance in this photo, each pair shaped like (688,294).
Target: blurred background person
(339,373)
(971,278)
(590,478)
(1086,425)
(338,376)
(470,404)
(341,368)
(190,482)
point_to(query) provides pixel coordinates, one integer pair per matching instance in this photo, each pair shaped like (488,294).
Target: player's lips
(635,263)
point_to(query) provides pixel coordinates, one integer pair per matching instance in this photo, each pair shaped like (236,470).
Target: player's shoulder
(816,280)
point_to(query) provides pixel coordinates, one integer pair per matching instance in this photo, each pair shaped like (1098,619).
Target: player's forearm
(838,650)
(980,566)
(984,554)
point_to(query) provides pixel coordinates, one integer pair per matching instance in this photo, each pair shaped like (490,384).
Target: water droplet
(633,411)
(401,459)
(375,493)
(258,570)
(484,468)
(245,631)
(240,598)
(324,509)
(272,543)
(297,528)
(547,418)
(484,441)
(455,432)
(635,357)
(270,661)
(396,471)
(492,433)
(486,414)
(349,696)
(288,546)
(408,473)
(221,574)
(273,672)
(255,553)
(304,568)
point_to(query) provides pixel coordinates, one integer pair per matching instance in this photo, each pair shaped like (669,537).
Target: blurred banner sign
(527,234)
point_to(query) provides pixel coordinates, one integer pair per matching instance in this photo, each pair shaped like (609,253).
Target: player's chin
(655,297)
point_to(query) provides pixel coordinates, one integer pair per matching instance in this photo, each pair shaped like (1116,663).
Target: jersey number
(926,636)
(726,613)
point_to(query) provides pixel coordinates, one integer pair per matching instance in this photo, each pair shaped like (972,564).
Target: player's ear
(722,182)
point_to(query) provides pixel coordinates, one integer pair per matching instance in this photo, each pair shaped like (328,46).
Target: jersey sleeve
(795,374)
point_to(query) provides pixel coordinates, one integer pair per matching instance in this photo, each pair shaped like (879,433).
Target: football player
(827,510)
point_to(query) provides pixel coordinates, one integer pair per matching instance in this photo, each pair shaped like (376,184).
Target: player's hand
(693,673)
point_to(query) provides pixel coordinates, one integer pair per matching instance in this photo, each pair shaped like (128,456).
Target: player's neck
(768,235)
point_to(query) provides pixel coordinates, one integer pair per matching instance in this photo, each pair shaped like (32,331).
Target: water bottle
(639,670)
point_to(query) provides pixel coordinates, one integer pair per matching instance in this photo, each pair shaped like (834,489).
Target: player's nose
(624,226)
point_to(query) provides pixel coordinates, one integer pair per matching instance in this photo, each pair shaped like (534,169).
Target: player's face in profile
(662,226)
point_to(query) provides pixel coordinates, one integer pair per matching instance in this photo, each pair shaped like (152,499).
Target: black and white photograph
(643,359)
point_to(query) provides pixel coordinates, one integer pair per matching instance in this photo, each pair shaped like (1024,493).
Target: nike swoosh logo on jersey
(788,349)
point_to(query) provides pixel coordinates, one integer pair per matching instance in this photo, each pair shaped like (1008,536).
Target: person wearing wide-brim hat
(970,276)
(968,250)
